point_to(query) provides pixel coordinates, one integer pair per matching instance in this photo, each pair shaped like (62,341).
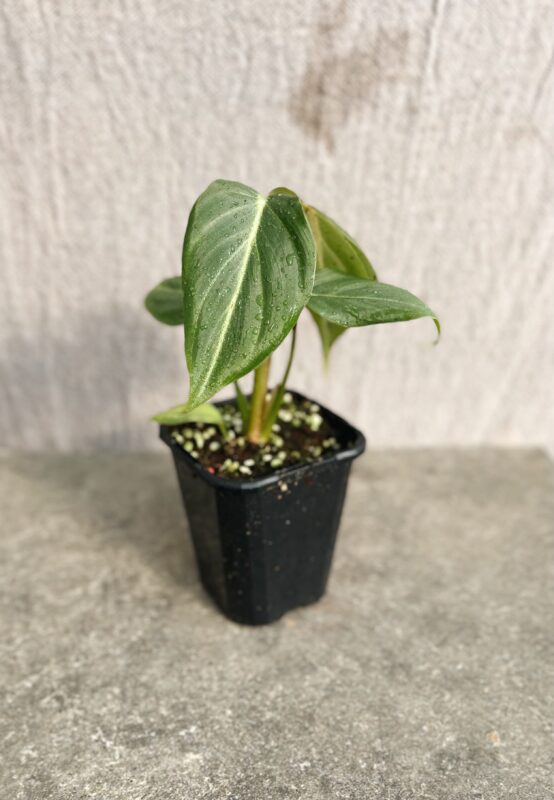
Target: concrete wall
(425,128)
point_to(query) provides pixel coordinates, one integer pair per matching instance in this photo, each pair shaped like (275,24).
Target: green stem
(243,406)
(278,394)
(257,403)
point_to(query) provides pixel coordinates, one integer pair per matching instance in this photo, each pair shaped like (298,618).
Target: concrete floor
(426,672)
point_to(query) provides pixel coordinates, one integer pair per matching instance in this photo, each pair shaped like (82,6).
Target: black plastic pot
(264,545)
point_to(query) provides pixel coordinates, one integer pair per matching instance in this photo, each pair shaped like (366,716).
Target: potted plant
(263,476)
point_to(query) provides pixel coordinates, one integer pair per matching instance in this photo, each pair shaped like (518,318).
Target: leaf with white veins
(248,271)
(336,250)
(352,302)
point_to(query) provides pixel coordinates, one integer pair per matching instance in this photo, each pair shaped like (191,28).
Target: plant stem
(257,403)
(243,406)
(278,394)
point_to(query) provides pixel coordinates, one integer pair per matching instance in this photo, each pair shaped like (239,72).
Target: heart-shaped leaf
(248,271)
(165,301)
(338,251)
(352,302)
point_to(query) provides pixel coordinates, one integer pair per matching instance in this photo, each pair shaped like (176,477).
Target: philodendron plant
(251,264)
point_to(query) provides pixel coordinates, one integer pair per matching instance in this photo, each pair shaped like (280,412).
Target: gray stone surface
(424,673)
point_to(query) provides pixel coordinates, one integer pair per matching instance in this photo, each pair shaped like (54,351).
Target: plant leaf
(178,415)
(352,302)
(335,250)
(165,302)
(328,333)
(248,271)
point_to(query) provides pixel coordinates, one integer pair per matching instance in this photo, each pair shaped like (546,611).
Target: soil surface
(301,435)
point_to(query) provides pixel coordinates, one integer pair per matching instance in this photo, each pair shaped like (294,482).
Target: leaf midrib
(250,241)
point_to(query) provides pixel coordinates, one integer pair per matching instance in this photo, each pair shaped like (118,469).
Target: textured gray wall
(426,128)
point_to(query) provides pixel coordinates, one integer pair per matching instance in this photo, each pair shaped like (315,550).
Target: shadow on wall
(335,85)
(97,368)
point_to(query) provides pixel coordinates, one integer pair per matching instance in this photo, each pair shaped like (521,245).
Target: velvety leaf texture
(352,302)
(248,271)
(165,302)
(338,251)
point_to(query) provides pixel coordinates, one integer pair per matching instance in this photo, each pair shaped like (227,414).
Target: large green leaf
(165,301)
(335,250)
(351,302)
(248,271)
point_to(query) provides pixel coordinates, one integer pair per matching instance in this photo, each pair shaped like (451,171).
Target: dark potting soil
(301,435)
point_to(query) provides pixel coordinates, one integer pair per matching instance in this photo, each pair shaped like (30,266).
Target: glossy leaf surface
(248,271)
(352,302)
(336,250)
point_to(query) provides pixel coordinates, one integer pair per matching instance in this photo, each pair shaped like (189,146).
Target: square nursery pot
(264,545)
